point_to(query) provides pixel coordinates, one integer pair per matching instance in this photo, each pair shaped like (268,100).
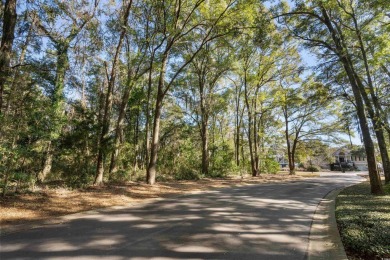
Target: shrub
(187,174)
(222,161)
(364,222)
(270,166)
(312,168)
(120,176)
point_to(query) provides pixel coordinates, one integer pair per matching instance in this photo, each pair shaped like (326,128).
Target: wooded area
(108,90)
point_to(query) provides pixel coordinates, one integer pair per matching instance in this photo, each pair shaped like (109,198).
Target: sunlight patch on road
(112,240)
(51,246)
(118,218)
(196,248)
(11,248)
(146,226)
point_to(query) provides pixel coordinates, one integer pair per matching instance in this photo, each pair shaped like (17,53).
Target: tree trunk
(250,140)
(237,128)
(119,129)
(46,164)
(237,143)
(7,39)
(58,109)
(16,75)
(136,140)
(147,123)
(204,126)
(378,117)
(205,150)
(383,152)
(99,163)
(99,169)
(108,104)
(255,137)
(103,140)
(291,163)
(375,182)
(373,109)
(151,170)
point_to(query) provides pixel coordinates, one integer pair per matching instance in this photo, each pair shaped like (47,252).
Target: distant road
(267,221)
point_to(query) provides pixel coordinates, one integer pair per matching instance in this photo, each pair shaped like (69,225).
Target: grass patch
(307,174)
(364,222)
(300,173)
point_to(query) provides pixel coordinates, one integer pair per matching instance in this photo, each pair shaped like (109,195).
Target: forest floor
(43,204)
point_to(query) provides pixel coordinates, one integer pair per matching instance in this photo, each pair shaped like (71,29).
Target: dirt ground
(44,204)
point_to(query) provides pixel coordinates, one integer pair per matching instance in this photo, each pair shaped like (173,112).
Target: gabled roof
(343,150)
(355,151)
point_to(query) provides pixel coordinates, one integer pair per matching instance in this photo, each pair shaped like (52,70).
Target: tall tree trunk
(103,147)
(47,163)
(152,167)
(291,163)
(16,75)
(119,128)
(103,139)
(99,163)
(377,115)
(58,110)
(237,143)
(250,140)
(7,40)
(136,140)
(373,109)
(255,137)
(205,150)
(204,126)
(375,181)
(151,170)
(147,112)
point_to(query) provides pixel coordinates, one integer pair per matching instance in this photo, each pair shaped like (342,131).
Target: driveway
(267,221)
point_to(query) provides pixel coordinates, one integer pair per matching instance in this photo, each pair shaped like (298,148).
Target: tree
(48,25)
(262,63)
(208,66)
(307,112)
(176,24)
(7,40)
(103,142)
(321,27)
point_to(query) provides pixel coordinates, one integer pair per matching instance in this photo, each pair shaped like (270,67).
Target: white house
(356,156)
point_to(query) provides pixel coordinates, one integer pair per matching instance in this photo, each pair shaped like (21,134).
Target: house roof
(355,151)
(344,151)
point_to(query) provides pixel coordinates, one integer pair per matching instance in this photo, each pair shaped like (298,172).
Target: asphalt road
(269,221)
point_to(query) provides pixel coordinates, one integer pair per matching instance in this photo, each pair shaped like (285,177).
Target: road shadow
(252,222)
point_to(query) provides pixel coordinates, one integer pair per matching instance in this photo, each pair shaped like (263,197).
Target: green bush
(120,176)
(222,161)
(270,166)
(187,174)
(364,222)
(312,168)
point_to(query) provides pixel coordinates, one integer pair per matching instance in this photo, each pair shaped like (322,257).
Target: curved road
(267,221)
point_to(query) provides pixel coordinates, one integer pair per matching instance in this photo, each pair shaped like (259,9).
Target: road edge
(324,237)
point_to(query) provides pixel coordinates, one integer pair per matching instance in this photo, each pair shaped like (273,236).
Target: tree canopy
(117,90)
